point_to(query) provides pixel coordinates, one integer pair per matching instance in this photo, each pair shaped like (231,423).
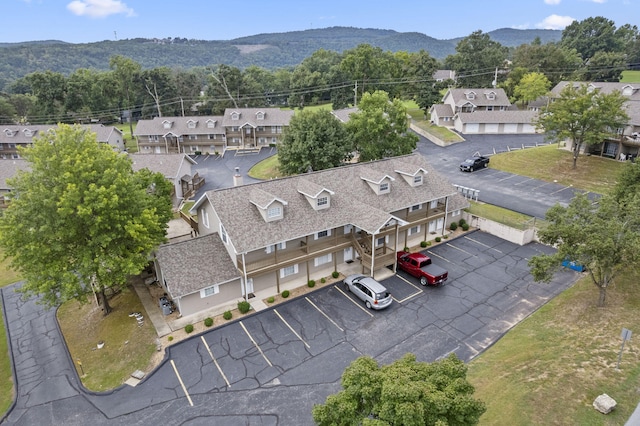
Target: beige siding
(229,294)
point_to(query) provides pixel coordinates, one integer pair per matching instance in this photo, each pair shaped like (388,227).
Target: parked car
(371,292)
(419,265)
(474,163)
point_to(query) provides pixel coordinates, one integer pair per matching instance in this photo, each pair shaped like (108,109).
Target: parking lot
(312,339)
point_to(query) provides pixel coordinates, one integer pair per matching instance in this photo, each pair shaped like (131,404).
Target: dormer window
(235,115)
(417,180)
(491,96)
(274,212)
(9,132)
(322,201)
(627,91)
(384,187)
(470,95)
(260,115)
(191,124)
(413,177)
(271,208)
(167,124)
(28,133)
(211,124)
(318,196)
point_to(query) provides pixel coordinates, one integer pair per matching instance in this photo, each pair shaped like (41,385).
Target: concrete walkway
(152,309)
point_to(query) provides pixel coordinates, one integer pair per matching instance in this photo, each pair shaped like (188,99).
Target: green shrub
(170,338)
(465,226)
(227,315)
(335,274)
(423,244)
(461,222)
(323,280)
(271,299)
(188,328)
(198,153)
(208,322)
(285,294)
(406,248)
(453,226)
(244,307)
(438,239)
(311,283)
(445,236)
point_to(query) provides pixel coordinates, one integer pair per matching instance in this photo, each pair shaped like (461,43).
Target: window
(166,124)
(455,213)
(289,270)
(414,230)
(433,204)
(235,140)
(416,207)
(193,137)
(489,107)
(153,138)
(417,180)
(381,241)
(322,260)
(347,229)
(261,128)
(194,148)
(223,234)
(235,129)
(384,187)
(273,212)
(235,116)
(209,291)
(260,116)
(322,201)
(212,137)
(205,219)
(247,130)
(262,140)
(191,124)
(211,124)
(322,234)
(274,140)
(278,129)
(279,246)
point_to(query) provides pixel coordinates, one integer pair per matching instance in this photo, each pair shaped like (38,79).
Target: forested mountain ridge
(269,51)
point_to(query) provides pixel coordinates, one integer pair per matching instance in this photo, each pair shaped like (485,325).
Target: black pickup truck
(474,163)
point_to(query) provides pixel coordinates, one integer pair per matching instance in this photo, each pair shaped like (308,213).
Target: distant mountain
(270,51)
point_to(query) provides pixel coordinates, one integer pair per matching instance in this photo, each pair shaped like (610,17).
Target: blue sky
(84,21)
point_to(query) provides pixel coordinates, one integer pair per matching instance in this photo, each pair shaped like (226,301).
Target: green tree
(7,111)
(81,220)
(405,392)
(49,90)
(602,236)
(605,66)
(597,34)
(380,128)
(367,65)
(476,60)
(126,74)
(313,140)
(531,86)
(420,68)
(583,115)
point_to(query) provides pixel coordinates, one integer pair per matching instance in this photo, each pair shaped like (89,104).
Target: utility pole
(355,95)
(182,104)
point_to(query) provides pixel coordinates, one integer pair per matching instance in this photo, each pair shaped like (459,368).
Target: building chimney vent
(237,177)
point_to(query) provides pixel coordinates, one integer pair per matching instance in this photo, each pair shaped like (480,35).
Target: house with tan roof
(626,142)
(279,234)
(13,136)
(481,111)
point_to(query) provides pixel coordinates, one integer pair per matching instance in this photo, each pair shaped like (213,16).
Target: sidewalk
(152,310)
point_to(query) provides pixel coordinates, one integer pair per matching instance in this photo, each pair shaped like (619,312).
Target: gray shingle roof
(192,265)
(9,168)
(443,110)
(460,97)
(167,164)
(180,126)
(25,133)
(272,117)
(353,202)
(344,114)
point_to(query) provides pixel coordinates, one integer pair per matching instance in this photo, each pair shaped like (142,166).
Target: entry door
(249,286)
(440,223)
(432,226)
(158,151)
(348,254)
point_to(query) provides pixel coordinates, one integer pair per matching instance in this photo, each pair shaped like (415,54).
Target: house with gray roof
(180,135)
(281,233)
(481,111)
(176,168)
(13,135)
(9,169)
(624,143)
(254,128)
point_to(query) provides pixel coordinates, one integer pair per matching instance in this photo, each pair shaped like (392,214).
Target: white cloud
(599,1)
(99,8)
(552,2)
(555,22)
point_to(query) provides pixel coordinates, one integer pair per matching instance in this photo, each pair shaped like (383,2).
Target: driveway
(271,367)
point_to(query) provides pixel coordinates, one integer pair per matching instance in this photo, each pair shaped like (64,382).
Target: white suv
(371,292)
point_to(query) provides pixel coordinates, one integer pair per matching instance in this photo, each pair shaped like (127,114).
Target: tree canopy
(314,140)
(476,60)
(405,392)
(380,128)
(80,220)
(584,115)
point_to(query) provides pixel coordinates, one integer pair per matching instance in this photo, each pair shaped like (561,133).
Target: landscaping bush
(198,153)
(406,248)
(244,307)
(323,280)
(428,243)
(208,322)
(335,274)
(465,226)
(423,244)
(188,328)
(461,222)
(445,236)
(170,338)
(285,294)
(311,283)
(227,315)
(271,299)
(438,239)
(453,226)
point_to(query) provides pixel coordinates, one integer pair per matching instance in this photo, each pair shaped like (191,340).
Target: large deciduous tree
(584,115)
(313,140)
(476,60)
(80,220)
(380,128)
(405,392)
(597,34)
(531,86)
(557,62)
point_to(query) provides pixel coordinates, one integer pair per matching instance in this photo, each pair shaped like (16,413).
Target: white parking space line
(438,256)
(411,296)
(483,245)
(255,344)
(459,249)
(325,315)
(560,190)
(216,362)
(184,389)
(507,178)
(354,302)
(291,328)
(524,181)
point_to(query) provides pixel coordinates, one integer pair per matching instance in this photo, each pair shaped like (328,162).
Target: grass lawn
(630,76)
(548,163)
(127,347)
(504,216)
(7,276)
(266,169)
(550,367)
(129,140)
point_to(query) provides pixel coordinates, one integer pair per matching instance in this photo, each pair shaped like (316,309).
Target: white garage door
(528,128)
(472,128)
(491,128)
(511,128)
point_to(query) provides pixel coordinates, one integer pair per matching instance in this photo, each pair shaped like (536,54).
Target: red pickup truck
(419,265)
